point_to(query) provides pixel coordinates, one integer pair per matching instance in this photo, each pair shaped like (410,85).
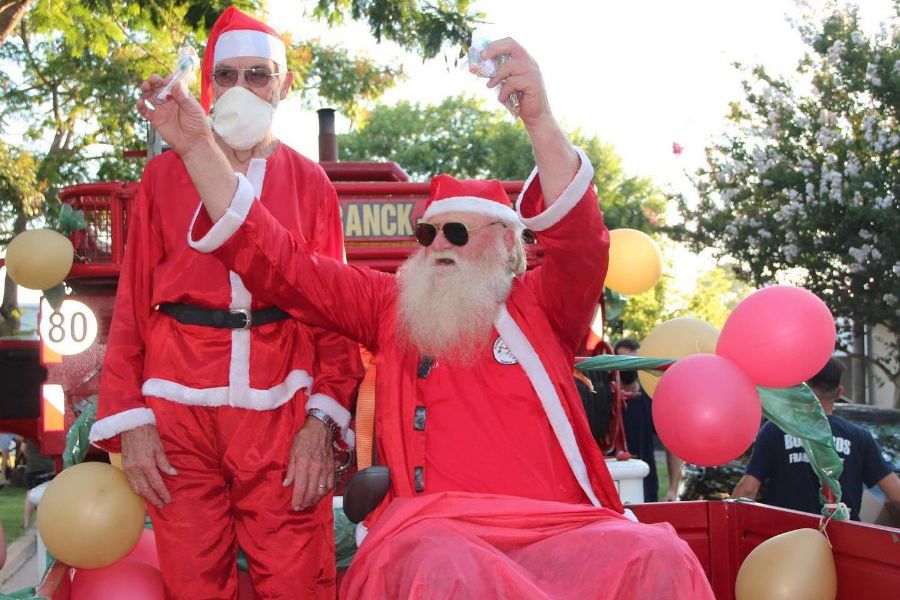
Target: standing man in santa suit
(225,408)
(497,487)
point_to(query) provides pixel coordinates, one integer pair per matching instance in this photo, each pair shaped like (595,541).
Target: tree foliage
(716,294)
(424,27)
(74,69)
(69,76)
(643,312)
(329,75)
(461,137)
(804,184)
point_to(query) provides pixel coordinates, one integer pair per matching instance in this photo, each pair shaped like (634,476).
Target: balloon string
(832,510)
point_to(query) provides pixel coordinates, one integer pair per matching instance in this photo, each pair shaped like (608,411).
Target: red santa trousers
(476,546)
(231,464)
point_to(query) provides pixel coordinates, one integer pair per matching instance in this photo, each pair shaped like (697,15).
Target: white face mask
(242,118)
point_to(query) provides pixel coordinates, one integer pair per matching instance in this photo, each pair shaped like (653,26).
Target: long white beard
(449,312)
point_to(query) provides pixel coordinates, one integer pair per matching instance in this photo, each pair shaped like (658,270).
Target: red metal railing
(100,248)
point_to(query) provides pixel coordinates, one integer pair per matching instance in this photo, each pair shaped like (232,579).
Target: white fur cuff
(115,424)
(333,409)
(230,221)
(566,201)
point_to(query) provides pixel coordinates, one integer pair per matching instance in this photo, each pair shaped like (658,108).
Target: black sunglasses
(256,76)
(456,233)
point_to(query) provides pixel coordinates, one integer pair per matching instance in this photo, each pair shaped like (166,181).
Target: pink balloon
(780,336)
(124,580)
(706,410)
(145,550)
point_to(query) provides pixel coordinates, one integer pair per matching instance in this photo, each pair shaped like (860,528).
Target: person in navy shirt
(640,433)
(780,462)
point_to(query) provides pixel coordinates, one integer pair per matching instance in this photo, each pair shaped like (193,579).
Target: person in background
(640,432)
(5,467)
(780,462)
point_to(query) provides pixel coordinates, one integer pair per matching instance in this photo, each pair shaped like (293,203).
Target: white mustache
(437,255)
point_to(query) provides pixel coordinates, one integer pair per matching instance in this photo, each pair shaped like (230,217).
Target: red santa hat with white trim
(479,196)
(237,34)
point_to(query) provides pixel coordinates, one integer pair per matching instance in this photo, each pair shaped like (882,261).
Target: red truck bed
(721,534)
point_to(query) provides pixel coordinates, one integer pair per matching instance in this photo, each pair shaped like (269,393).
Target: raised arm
(554,155)
(558,203)
(318,290)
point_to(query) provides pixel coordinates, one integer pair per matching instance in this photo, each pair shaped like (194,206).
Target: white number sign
(71,329)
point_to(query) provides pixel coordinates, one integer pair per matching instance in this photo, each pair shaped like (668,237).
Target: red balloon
(706,410)
(124,580)
(780,336)
(145,550)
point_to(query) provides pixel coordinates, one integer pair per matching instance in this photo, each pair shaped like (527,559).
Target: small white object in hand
(487,67)
(184,70)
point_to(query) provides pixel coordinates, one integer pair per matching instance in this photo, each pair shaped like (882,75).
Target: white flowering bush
(805,178)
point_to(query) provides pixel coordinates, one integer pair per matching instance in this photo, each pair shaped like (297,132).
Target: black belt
(223,319)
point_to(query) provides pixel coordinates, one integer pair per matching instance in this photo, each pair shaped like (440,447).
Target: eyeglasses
(256,76)
(456,233)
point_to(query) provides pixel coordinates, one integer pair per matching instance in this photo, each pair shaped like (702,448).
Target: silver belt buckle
(248,317)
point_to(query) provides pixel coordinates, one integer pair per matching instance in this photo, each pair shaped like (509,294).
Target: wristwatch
(321,415)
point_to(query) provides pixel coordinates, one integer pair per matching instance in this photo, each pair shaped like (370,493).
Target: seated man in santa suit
(497,489)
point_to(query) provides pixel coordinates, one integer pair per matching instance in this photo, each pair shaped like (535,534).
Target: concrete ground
(21,568)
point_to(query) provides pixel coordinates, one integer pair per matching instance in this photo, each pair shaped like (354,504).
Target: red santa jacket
(542,321)
(151,354)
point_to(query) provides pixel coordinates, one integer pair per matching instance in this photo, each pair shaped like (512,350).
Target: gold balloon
(676,338)
(39,259)
(794,565)
(89,517)
(115,459)
(635,263)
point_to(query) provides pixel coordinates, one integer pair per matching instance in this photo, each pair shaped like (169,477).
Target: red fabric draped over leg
(459,545)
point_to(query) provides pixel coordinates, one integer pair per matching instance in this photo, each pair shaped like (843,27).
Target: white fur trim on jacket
(225,227)
(113,425)
(360,533)
(522,349)
(238,397)
(566,201)
(250,42)
(473,204)
(333,409)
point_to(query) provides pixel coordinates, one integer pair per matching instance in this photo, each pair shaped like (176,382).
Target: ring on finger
(323,485)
